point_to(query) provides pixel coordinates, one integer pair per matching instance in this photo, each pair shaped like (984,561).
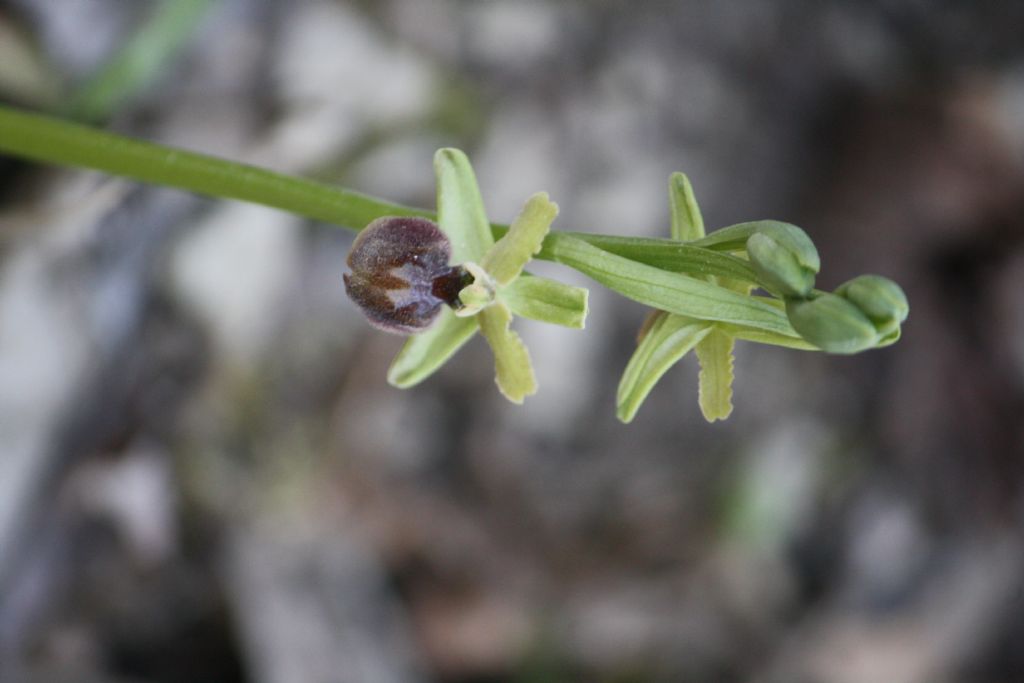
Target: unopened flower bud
(880,299)
(832,323)
(400,273)
(784,258)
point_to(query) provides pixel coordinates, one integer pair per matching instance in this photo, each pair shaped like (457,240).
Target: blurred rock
(313,612)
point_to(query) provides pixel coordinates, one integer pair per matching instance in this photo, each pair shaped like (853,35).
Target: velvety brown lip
(400,273)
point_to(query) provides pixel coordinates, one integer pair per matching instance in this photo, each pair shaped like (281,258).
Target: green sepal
(460,208)
(715,353)
(513,371)
(732,237)
(687,222)
(661,253)
(427,351)
(509,255)
(667,339)
(890,338)
(671,291)
(548,301)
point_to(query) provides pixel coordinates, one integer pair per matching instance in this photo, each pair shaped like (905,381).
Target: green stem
(54,141)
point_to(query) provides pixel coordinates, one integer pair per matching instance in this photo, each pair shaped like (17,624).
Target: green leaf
(667,340)
(427,351)
(549,301)
(671,291)
(507,258)
(460,208)
(687,222)
(513,370)
(140,61)
(716,374)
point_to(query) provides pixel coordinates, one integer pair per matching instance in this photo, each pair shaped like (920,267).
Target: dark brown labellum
(400,273)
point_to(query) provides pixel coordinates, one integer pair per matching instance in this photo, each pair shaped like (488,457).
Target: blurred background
(204,475)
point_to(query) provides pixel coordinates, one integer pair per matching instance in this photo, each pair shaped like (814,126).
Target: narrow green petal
(670,291)
(549,301)
(460,208)
(513,370)
(687,222)
(427,351)
(716,374)
(668,339)
(511,253)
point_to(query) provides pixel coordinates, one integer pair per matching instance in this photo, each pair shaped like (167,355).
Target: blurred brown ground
(205,477)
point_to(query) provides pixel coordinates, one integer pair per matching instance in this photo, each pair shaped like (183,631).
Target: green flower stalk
(443,282)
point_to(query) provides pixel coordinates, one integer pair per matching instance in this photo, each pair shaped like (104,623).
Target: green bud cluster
(863,313)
